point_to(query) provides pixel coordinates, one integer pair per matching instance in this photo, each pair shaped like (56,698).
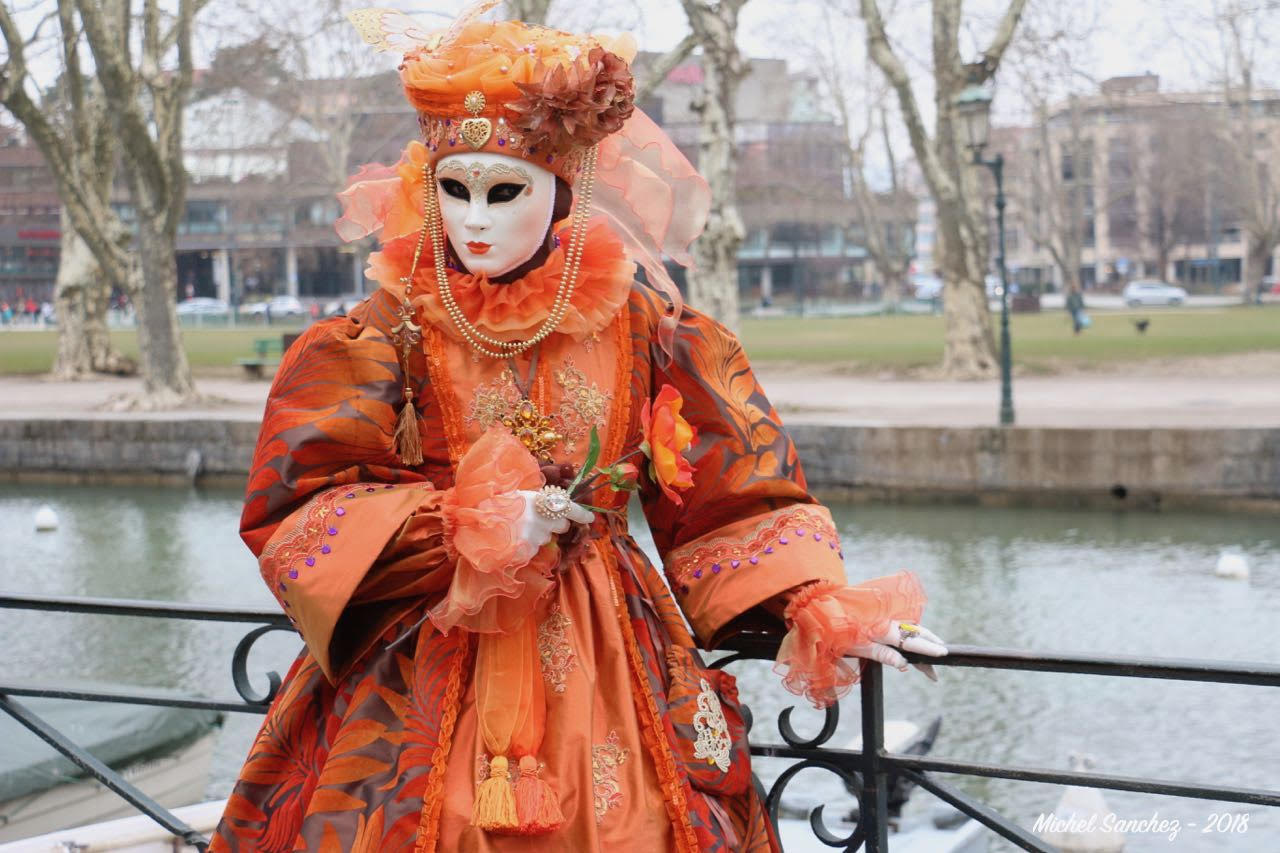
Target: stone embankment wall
(1146,468)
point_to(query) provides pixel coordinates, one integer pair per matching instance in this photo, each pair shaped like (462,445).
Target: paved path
(803,396)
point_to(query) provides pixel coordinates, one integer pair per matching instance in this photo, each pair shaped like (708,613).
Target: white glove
(537,529)
(884,648)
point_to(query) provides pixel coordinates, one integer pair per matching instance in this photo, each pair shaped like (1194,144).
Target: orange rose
(666,437)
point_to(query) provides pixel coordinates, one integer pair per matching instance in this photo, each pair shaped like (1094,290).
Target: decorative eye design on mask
(474,179)
(498,193)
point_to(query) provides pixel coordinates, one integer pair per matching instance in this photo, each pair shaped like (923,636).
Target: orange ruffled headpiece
(547,97)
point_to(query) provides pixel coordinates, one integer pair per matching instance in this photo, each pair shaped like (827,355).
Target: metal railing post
(875,776)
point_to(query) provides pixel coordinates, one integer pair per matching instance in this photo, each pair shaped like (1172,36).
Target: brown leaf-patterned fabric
(351,754)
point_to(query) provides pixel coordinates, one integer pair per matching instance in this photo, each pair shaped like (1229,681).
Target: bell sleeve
(348,539)
(747,528)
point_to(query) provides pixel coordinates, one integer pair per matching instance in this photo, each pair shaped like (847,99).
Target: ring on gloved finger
(552,502)
(906,631)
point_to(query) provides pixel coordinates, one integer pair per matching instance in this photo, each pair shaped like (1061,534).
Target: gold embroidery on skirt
(606,758)
(558,657)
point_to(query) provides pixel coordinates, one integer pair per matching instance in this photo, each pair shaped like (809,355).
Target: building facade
(266,162)
(1146,182)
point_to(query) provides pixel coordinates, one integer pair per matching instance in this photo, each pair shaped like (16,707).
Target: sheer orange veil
(655,201)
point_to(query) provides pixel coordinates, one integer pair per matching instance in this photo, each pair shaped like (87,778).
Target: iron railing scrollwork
(869,772)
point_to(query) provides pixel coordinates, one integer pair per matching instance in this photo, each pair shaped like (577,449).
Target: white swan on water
(1232,564)
(46,518)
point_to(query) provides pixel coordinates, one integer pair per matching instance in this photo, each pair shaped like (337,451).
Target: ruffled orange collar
(516,310)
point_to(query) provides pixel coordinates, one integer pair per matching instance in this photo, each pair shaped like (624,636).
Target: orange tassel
(495,806)
(536,804)
(408,439)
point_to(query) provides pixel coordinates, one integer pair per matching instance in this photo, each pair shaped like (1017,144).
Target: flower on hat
(577,103)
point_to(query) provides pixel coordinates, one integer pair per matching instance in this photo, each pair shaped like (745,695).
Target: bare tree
(1247,27)
(82,293)
(73,110)
(1175,176)
(969,350)
(144,100)
(858,96)
(1058,190)
(888,226)
(1053,174)
(713,283)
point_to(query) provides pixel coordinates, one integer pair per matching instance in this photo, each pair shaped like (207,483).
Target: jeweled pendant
(532,428)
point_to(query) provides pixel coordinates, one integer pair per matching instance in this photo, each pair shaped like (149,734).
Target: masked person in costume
(438,494)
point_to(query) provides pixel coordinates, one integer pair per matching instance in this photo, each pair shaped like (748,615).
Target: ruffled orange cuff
(497,578)
(827,619)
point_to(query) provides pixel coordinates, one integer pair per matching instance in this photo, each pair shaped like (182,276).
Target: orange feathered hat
(548,97)
(507,87)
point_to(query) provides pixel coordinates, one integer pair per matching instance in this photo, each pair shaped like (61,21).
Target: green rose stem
(586,485)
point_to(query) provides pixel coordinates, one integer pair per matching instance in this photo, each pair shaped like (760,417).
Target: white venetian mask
(496,209)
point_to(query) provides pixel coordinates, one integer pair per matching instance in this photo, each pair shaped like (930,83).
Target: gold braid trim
(433,797)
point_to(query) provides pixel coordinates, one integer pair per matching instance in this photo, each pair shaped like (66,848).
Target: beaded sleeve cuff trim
(775,531)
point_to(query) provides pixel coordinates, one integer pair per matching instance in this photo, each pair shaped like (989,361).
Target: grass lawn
(32,352)
(1041,342)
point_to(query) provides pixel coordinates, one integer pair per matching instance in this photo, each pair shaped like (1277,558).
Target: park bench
(266,353)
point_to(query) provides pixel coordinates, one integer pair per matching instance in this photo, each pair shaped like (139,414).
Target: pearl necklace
(478,340)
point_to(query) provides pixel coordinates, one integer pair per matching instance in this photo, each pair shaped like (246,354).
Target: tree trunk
(1255,267)
(713,282)
(895,286)
(970,346)
(82,296)
(165,372)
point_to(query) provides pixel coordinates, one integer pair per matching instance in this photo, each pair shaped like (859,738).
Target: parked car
(926,287)
(276,306)
(1153,293)
(202,305)
(340,307)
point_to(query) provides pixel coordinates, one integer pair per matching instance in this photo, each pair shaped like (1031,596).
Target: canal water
(1093,582)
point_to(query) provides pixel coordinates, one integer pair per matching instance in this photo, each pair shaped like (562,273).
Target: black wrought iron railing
(870,772)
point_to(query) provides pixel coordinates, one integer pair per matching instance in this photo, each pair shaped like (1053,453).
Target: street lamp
(973,106)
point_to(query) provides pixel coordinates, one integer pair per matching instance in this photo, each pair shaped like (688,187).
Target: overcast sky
(1127,37)
(1108,38)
